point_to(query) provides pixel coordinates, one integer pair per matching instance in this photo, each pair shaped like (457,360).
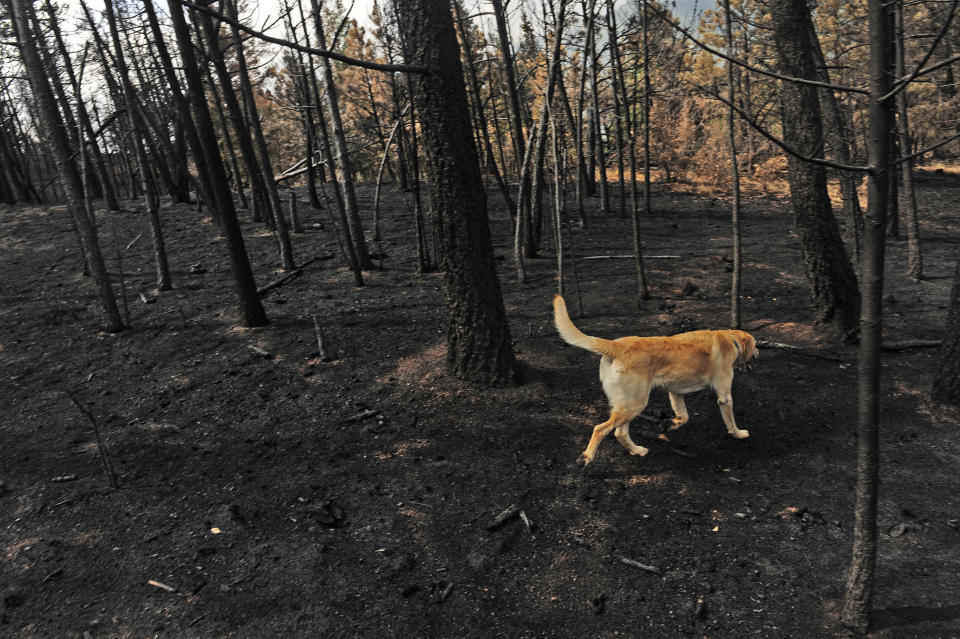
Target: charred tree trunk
(59,145)
(946,386)
(251,308)
(858,598)
(837,139)
(836,300)
(342,159)
(478,339)
(735,315)
(147,177)
(914,251)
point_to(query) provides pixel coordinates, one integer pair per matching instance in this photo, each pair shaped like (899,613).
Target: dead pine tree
(251,308)
(908,192)
(58,144)
(478,336)
(858,596)
(946,386)
(341,161)
(735,316)
(147,173)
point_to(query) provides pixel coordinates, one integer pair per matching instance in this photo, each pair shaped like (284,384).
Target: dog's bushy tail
(574,336)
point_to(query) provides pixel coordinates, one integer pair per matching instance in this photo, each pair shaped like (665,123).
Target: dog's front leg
(725,401)
(679,409)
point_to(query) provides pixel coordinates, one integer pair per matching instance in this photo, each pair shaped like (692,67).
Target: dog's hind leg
(619,418)
(622,433)
(679,409)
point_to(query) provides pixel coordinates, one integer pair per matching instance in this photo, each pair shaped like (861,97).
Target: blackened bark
(478,336)
(836,300)
(251,309)
(858,597)
(147,176)
(59,145)
(838,142)
(946,387)
(342,163)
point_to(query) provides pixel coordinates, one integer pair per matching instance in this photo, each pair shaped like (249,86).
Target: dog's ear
(748,345)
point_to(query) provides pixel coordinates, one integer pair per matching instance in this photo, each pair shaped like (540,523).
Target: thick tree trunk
(478,337)
(836,300)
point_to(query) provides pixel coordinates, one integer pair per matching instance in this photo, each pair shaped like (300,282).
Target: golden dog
(631,366)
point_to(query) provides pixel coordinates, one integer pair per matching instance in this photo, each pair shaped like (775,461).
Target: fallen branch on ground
(263,290)
(910,343)
(637,564)
(630,257)
(763,343)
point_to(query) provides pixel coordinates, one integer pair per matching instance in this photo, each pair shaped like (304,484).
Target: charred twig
(637,564)
(360,416)
(527,522)
(161,586)
(132,242)
(321,342)
(508,513)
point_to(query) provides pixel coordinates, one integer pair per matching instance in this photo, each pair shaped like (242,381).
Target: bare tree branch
(933,146)
(403,68)
(777,141)
(706,47)
(902,83)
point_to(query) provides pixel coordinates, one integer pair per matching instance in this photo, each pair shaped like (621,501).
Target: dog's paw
(676,423)
(639,451)
(583,460)
(741,434)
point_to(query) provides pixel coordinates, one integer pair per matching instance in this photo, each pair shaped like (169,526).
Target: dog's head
(746,347)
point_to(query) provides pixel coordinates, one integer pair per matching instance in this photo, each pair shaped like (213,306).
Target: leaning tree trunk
(836,301)
(59,145)
(858,597)
(251,308)
(478,336)
(946,387)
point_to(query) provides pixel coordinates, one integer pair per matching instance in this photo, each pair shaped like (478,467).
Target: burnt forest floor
(278,496)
